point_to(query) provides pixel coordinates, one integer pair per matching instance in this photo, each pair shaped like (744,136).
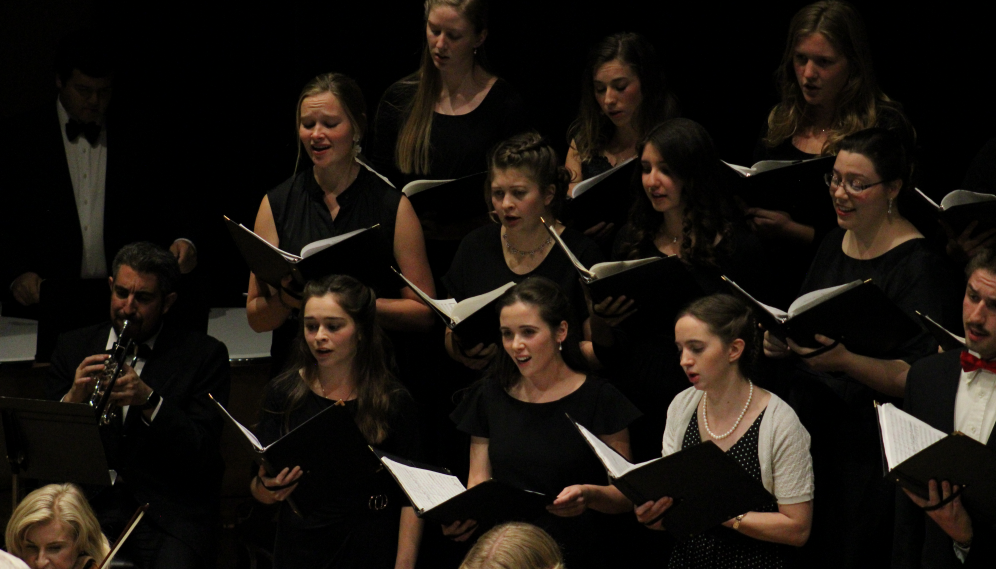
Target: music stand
(50,440)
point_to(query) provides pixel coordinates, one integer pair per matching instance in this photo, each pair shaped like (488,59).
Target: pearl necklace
(705,413)
(511,248)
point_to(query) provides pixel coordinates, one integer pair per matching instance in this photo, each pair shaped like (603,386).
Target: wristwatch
(152,402)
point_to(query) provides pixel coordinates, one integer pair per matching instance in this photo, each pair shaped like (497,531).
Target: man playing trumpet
(166,428)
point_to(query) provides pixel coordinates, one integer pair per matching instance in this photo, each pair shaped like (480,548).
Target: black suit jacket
(174,463)
(41,227)
(931,388)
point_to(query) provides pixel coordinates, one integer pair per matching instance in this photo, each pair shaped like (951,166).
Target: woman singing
(718,341)
(342,359)
(525,183)
(521,436)
(441,121)
(335,195)
(55,528)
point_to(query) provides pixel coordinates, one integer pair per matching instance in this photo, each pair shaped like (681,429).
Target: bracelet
(737,520)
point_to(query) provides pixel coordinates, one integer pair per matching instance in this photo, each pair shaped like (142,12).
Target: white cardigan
(783,445)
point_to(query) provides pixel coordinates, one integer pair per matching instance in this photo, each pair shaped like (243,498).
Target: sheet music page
(779,314)
(249,434)
(574,260)
(323,244)
(416,186)
(444,306)
(602,270)
(903,434)
(289,256)
(613,461)
(585,185)
(426,488)
(964,197)
(462,310)
(811,299)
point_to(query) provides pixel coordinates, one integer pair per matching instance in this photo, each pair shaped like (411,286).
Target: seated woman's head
(717,336)
(868,176)
(623,85)
(53,527)
(680,178)
(514,546)
(526,181)
(331,119)
(538,331)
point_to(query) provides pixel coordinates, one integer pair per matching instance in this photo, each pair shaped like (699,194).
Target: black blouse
(479,266)
(459,143)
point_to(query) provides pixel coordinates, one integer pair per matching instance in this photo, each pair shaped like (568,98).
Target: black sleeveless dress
(721,547)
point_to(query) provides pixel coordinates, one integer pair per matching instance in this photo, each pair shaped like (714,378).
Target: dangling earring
(890,206)
(475,51)
(493,216)
(560,346)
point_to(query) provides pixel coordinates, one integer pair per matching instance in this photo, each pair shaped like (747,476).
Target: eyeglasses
(849,187)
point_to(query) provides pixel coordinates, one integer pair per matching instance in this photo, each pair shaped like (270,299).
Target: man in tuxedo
(165,447)
(72,189)
(953,391)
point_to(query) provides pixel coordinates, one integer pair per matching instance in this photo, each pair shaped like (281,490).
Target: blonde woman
(54,527)
(514,545)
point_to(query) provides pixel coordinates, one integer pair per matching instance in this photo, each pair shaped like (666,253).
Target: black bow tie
(90,130)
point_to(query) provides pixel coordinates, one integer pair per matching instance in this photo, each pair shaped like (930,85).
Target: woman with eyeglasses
(872,241)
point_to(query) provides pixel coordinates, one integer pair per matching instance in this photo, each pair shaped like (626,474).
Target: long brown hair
(412,152)
(376,386)
(860,102)
(592,129)
(689,152)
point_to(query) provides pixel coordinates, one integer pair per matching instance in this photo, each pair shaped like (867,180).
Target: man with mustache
(954,391)
(165,444)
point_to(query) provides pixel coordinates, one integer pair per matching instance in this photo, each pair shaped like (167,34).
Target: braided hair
(531,154)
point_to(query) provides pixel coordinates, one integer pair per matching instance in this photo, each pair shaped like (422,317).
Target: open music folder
(959,208)
(857,314)
(660,286)
(947,339)
(913,453)
(328,440)
(707,486)
(473,319)
(357,254)
(449,209)
(438,495)
(605,197)
(795,186)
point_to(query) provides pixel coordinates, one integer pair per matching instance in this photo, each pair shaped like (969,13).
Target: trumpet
(124,348)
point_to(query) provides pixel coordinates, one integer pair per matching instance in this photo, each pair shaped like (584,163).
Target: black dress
(479,266)
(853,528)
(645,368)
(459,143)
(534,446)
(301,217)
(341,530)
(721,547)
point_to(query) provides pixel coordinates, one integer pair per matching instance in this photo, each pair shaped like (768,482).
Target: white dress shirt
(88,171)
(975,404)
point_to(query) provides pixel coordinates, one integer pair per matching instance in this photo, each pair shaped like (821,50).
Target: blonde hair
(350,98)
(514,546)
(860,101)
(62,502)
(412,151)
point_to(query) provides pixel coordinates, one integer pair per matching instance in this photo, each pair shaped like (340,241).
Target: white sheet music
(903,434)
(613,461)
(426,488)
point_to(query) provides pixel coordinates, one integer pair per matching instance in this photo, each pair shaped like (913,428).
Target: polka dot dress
(720,547)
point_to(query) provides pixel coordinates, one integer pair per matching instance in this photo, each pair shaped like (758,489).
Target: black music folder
(660,286)
(473,319)
(947,339)
(356,254)
(856,314)
(438,495)
(958,209)
(328,441)
(795,186)
(449,209)
(54,441)
(913,453)
(707,486)
(605,197)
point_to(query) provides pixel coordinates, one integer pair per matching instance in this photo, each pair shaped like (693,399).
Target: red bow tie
(970,363)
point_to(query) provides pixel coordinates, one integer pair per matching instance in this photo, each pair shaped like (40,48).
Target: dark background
(208,89)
